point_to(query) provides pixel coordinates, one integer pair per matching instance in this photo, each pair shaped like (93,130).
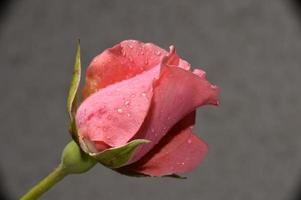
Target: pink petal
(200,73)
(175,60)
(184,157)
(113,115)
(177,93)
(121,62)
(178,152)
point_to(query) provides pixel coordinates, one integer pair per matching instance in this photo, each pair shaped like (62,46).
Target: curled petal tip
(172,49)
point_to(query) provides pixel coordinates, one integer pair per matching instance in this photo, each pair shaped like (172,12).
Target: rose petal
(178,152)
(200,73)
(113,115)
(184,157)
(175,60)
(177,93)
(121,62)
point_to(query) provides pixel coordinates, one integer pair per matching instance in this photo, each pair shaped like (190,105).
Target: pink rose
(137,91)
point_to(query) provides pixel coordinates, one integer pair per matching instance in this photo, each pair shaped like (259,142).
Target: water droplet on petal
(189,141)
(158,53)
(119,110)
(128,114)
(146,62)
(143,94)
(131,46)
(126,103)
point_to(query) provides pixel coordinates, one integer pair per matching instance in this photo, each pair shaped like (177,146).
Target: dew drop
(131,46)
(158,53)
(143,94)
(119,110)
(126,103)
(123,53)
(128,114)
(181,163)
(189,141)
(146,62)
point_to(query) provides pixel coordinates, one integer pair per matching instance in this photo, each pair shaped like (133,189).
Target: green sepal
(74,160)
(119,156)
(73,91)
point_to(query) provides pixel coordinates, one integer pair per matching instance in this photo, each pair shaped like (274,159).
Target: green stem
(45,184)
(73,161)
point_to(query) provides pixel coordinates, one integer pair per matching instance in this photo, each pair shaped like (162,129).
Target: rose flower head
(137,110)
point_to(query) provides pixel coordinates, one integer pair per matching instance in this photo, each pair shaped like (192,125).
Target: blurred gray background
(250,48)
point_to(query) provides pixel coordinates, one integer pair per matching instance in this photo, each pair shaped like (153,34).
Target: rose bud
(138,110)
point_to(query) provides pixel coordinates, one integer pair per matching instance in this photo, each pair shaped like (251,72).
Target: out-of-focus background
(250,48)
